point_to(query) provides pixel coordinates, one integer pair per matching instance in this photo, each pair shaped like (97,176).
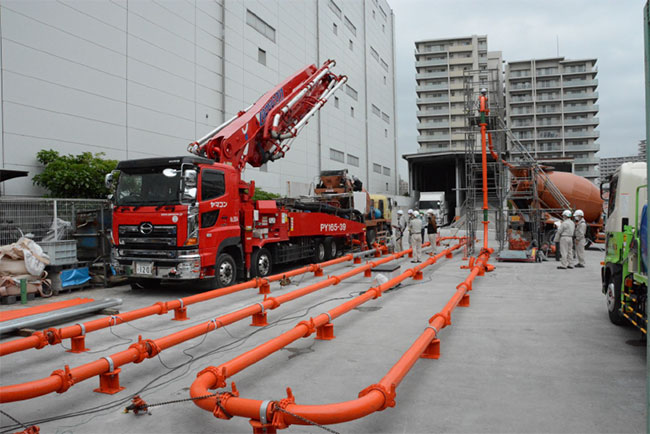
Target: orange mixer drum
(581,193)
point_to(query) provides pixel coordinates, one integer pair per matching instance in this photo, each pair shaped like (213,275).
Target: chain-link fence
(51,219)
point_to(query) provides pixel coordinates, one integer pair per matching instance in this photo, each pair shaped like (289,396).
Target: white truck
(434,200)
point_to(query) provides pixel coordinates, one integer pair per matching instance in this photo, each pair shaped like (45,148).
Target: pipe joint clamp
(66,378)
(219,375)
(389,395)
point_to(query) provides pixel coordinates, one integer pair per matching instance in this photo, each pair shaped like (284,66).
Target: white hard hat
(578,213)
(429,211)
(399,211)
(410,211)
(483,91)
(416,214)
(566,213)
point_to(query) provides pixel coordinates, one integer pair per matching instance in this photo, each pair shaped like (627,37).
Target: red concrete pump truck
(193,217)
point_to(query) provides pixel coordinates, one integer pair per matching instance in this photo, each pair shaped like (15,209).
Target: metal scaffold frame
(473,82)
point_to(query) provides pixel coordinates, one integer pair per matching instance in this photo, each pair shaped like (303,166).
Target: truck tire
(319,251)
(613,296)
(144,283)
(225,271)
(331,248)
(261,263)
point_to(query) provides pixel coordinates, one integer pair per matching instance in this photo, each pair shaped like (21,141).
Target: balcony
(522,113)
(426,75)
(548,84)
(519,73)
(426,113)
(521,100)
(586,160)
(581,95)
(430,50)
(548,97)
(591,121)
(432,62)
(461,61)
(433,125)
(576,83)
(521,86)
(515,126)
(548,110)
(584,108)
(460,48)
(581,71)
(432,100)
(552,123)
(422,138)
(428,87)
(580,134)
(588,173)
(594,147)
(549,135)
(547,73)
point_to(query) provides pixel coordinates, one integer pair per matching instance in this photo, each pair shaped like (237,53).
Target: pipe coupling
(66,378)
(310,325)
(446,318)
(163,307)
(53,336)
(389,395)
(219,375)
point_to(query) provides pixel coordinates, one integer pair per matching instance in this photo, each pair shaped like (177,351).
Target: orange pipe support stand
(107,367)
(263,414)
(42,339)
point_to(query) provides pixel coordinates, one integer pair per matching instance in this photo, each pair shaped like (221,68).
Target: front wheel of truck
(613,296)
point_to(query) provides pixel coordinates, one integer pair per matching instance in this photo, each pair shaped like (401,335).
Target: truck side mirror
(108,180)
(189,178)
(189,194)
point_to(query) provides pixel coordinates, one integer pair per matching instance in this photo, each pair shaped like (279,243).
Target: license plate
(144,268)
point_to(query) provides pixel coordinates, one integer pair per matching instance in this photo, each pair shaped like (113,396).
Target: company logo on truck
(275,99)
(332,227)
(218,204)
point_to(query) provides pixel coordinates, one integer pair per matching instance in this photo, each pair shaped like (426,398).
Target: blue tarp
(74,276)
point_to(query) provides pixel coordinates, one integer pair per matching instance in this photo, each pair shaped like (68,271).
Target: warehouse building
(137,79)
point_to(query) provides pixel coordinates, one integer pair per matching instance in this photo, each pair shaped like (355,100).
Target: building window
(351,45)
(375,110)
(337,155)
(335,28)
(336,101)
(350,26)
(385,117)
(374,53)
(260,25)
(335,8)
(351,92)
(261,56)
(384,64)
(353,161)
(376,168)
(386,171)
(351,111)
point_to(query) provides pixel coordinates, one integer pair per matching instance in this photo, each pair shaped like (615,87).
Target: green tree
(73,176)
(264,195)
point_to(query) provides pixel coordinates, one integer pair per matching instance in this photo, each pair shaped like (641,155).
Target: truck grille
(147,234)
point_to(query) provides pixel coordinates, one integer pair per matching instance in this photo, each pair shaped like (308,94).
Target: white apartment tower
(440,64)
(144,78)
(551,108)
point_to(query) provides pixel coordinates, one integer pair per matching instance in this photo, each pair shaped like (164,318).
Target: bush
(73,176)
(264,195)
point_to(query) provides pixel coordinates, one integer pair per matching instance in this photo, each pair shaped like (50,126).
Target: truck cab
(164,209)
(434,200)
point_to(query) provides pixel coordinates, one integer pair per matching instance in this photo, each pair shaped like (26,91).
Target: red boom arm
(264,131)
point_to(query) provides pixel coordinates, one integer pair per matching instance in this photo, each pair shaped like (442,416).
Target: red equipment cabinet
(192,217)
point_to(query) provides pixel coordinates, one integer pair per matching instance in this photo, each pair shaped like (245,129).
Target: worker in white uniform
(409,217)
(565,236)
(580,233)
(415,229)
(400,232)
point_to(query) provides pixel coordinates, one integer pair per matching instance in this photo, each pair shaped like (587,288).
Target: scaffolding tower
(473,82)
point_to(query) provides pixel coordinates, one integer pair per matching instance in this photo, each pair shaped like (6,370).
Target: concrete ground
(535,352)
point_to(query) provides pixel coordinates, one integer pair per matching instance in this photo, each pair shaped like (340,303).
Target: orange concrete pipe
(54,336)
(494,154)
(374,398)
(485,184)
(49,307)
(61,380)
(213,377)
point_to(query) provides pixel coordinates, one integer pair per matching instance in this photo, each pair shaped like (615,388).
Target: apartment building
(551,109)
(145,78)
(441,67)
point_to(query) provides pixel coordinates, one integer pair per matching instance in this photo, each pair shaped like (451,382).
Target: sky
(609,30)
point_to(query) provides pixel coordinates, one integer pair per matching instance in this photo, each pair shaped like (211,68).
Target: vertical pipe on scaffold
(484,111)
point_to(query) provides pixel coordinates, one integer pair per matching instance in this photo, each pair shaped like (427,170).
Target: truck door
(218,213)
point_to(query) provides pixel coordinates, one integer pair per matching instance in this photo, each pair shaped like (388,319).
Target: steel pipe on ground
(61,380)
(375,398)
(53,336)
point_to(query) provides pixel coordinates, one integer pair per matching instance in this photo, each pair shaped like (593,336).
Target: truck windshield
(426,204)
(147,186)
